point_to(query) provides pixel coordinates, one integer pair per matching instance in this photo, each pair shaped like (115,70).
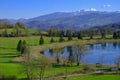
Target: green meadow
(97,77)
(8,52)
(10,68)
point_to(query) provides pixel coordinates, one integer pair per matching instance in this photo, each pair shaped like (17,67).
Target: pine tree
(69,38)
(103,35)
(69,34)
(19,46)
(41,41)
(91,35)
(115,35)
(52,40)
(61,39)
(80,35)
(24,45)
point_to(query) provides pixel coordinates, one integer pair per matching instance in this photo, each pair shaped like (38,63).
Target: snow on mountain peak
(89,9)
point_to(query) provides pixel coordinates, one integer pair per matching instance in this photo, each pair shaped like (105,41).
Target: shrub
(88,69)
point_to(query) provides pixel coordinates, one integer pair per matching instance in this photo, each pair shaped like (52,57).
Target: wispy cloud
(107,5)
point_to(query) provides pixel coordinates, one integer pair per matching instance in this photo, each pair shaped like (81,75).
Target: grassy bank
(74,42)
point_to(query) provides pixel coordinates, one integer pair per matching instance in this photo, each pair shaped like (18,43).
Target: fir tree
(41,41)
(61,39)
(19,46)
(52,40)
(24,45)
(80,35)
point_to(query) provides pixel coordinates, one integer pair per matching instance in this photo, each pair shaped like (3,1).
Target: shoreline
(69,43)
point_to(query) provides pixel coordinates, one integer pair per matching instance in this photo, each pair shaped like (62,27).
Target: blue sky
(14,9)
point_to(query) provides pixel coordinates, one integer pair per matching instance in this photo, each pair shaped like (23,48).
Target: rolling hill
(74,20)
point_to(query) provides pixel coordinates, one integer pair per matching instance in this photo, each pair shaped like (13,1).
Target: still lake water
(106,53)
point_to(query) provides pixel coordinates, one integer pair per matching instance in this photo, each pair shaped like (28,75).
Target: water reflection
(115,45)
(103,45)
(105,53)
(71,55)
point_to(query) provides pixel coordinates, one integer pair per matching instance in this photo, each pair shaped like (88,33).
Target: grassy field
(97,77)
(23,31)
(8,53)
(16,69)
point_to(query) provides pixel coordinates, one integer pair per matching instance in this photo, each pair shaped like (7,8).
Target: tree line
(16,28)
(53,32)
(19,27)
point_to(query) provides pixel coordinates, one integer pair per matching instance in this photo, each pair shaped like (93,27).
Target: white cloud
(91,9)
(107,5)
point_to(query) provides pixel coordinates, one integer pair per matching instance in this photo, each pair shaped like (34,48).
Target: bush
(69,38)
(88,69)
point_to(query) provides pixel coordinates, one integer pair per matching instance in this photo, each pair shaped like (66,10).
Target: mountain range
(75,20)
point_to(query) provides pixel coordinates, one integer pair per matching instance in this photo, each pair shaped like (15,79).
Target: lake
(106,53)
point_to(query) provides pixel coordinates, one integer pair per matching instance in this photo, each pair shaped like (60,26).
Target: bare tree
(78,51)
(100,61)
(57,52)
(66,60)
(117,62)
(28,63)
(71,55)
(41,63)
(33,62)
